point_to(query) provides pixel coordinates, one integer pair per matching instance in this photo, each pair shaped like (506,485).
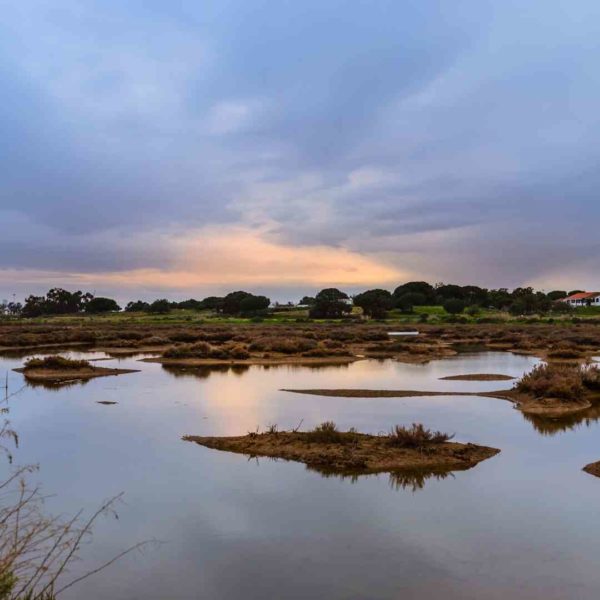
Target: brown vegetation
(329,450)
(563,341)
(58,369)
(593,469)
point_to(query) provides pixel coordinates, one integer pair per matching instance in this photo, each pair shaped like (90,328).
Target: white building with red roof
(583,299)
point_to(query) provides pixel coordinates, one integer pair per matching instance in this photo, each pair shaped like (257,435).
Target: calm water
(523,524)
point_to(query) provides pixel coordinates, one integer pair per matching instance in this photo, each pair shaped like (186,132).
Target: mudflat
(593,468)
(524,402)
(477,377)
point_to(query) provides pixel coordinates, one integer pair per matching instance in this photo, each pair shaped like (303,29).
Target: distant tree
(556,295)
(454,306)
(34,306)
(59,301)
(406,302)
(101,305)
(191,304)
(517,308)
(527,301)
(254,304)
(474,295)
(575,292)
(161,306)
(212,303)
(307,300)
(500,298)
(445,292)
(56,302)
(14,309)
(329,304)
(232,302)
(416,287)
(137,306)
(561,308)
(375,303)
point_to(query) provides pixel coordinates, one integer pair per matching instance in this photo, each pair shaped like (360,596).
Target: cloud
(452,141)
(225,258)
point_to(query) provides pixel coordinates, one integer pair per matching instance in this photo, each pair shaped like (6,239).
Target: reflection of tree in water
(204,371)
(415,480)
(57,386)
(410,479)
(550,426)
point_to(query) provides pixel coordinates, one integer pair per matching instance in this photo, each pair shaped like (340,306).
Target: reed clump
(416,436)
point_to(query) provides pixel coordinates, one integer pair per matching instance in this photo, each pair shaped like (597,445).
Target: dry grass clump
(283,345)
(199,350)
(185,336)
(416,436)
(326,433)
(553,381)
(205,350)
(323,349)
(56,362)
(565,349)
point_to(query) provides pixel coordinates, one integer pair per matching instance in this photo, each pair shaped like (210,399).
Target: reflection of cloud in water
(550,426)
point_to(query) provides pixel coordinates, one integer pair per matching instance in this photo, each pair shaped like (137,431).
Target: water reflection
(57,386)
(549,426)
(205,371)
(283,531)
(412,480)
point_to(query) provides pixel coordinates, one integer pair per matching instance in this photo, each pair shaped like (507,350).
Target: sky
(185,148)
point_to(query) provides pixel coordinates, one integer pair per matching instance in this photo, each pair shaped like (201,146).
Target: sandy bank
(477,377)
(523,402)
(283,360)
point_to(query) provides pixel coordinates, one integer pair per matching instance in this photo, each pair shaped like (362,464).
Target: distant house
(583,299)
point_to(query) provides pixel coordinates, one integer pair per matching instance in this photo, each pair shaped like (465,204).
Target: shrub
(56,362)
(205,350)
(553,381)
(591,377)
(416,436)
(198,350)
(185,336)
(326,433)
(454,306)
(564,350)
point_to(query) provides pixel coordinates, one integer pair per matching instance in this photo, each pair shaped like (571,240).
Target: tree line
(327,304)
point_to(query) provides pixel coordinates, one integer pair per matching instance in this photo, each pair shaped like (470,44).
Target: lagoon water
(523,524)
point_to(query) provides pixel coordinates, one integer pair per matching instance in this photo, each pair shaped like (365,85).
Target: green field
(429,314)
